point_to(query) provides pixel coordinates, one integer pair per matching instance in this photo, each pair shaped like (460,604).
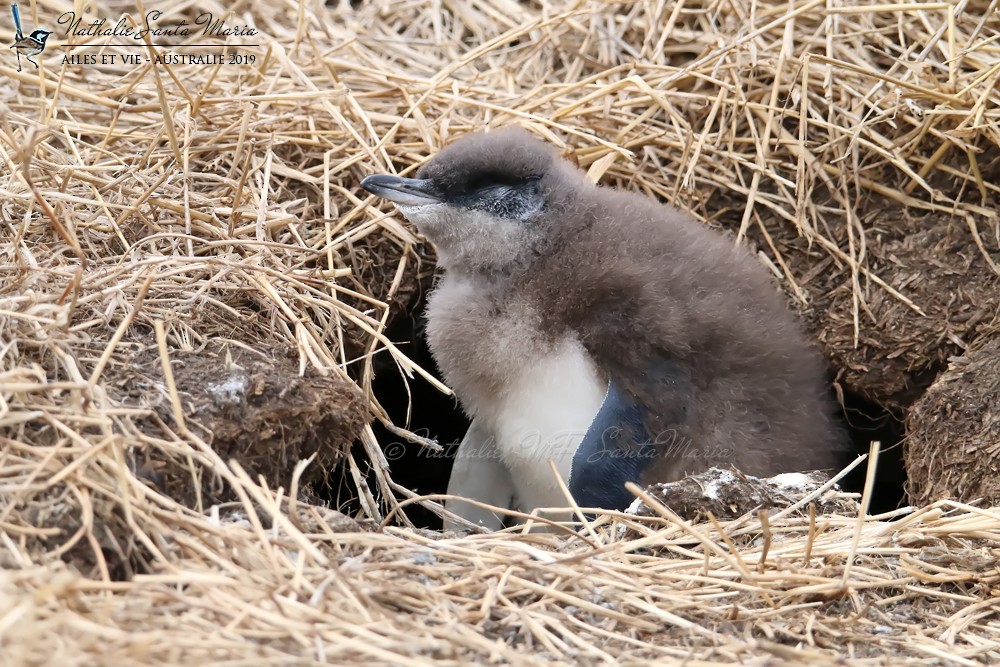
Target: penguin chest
(535,394)
(542,414)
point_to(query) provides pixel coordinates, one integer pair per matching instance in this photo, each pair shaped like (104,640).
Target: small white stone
(793,480)
(232,390)
(723,478)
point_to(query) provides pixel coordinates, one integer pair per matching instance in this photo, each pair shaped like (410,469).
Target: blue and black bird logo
(28,46)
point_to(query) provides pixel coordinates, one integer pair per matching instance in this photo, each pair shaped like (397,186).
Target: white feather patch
(543,414)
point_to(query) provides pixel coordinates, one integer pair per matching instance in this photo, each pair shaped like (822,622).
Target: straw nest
(187,263)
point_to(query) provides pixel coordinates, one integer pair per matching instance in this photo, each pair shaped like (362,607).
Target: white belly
(542,414)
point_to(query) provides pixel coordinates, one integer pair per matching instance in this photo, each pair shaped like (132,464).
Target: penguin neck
(497,268)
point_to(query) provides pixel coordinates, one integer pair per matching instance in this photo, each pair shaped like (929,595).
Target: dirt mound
(729,494)
(953,446)
(252,406)
(946,294)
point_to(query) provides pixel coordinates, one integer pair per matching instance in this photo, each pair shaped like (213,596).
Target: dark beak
(405,191)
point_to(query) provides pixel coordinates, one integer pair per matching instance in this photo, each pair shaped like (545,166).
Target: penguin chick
(597,328)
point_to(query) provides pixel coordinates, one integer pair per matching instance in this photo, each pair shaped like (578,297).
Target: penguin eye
(486,180)
(515,201)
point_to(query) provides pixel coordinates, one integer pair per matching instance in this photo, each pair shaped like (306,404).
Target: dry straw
(156,208)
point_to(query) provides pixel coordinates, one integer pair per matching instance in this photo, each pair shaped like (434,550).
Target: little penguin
(602,330)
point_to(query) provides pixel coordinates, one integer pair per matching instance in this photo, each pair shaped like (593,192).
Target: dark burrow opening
(415,404)
(868,421)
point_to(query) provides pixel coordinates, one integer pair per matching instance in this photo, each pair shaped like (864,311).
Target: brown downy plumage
(560,296)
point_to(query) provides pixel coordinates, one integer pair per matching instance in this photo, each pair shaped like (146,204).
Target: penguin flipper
(619,446)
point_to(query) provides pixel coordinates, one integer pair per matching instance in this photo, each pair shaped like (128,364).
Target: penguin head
(487,201)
